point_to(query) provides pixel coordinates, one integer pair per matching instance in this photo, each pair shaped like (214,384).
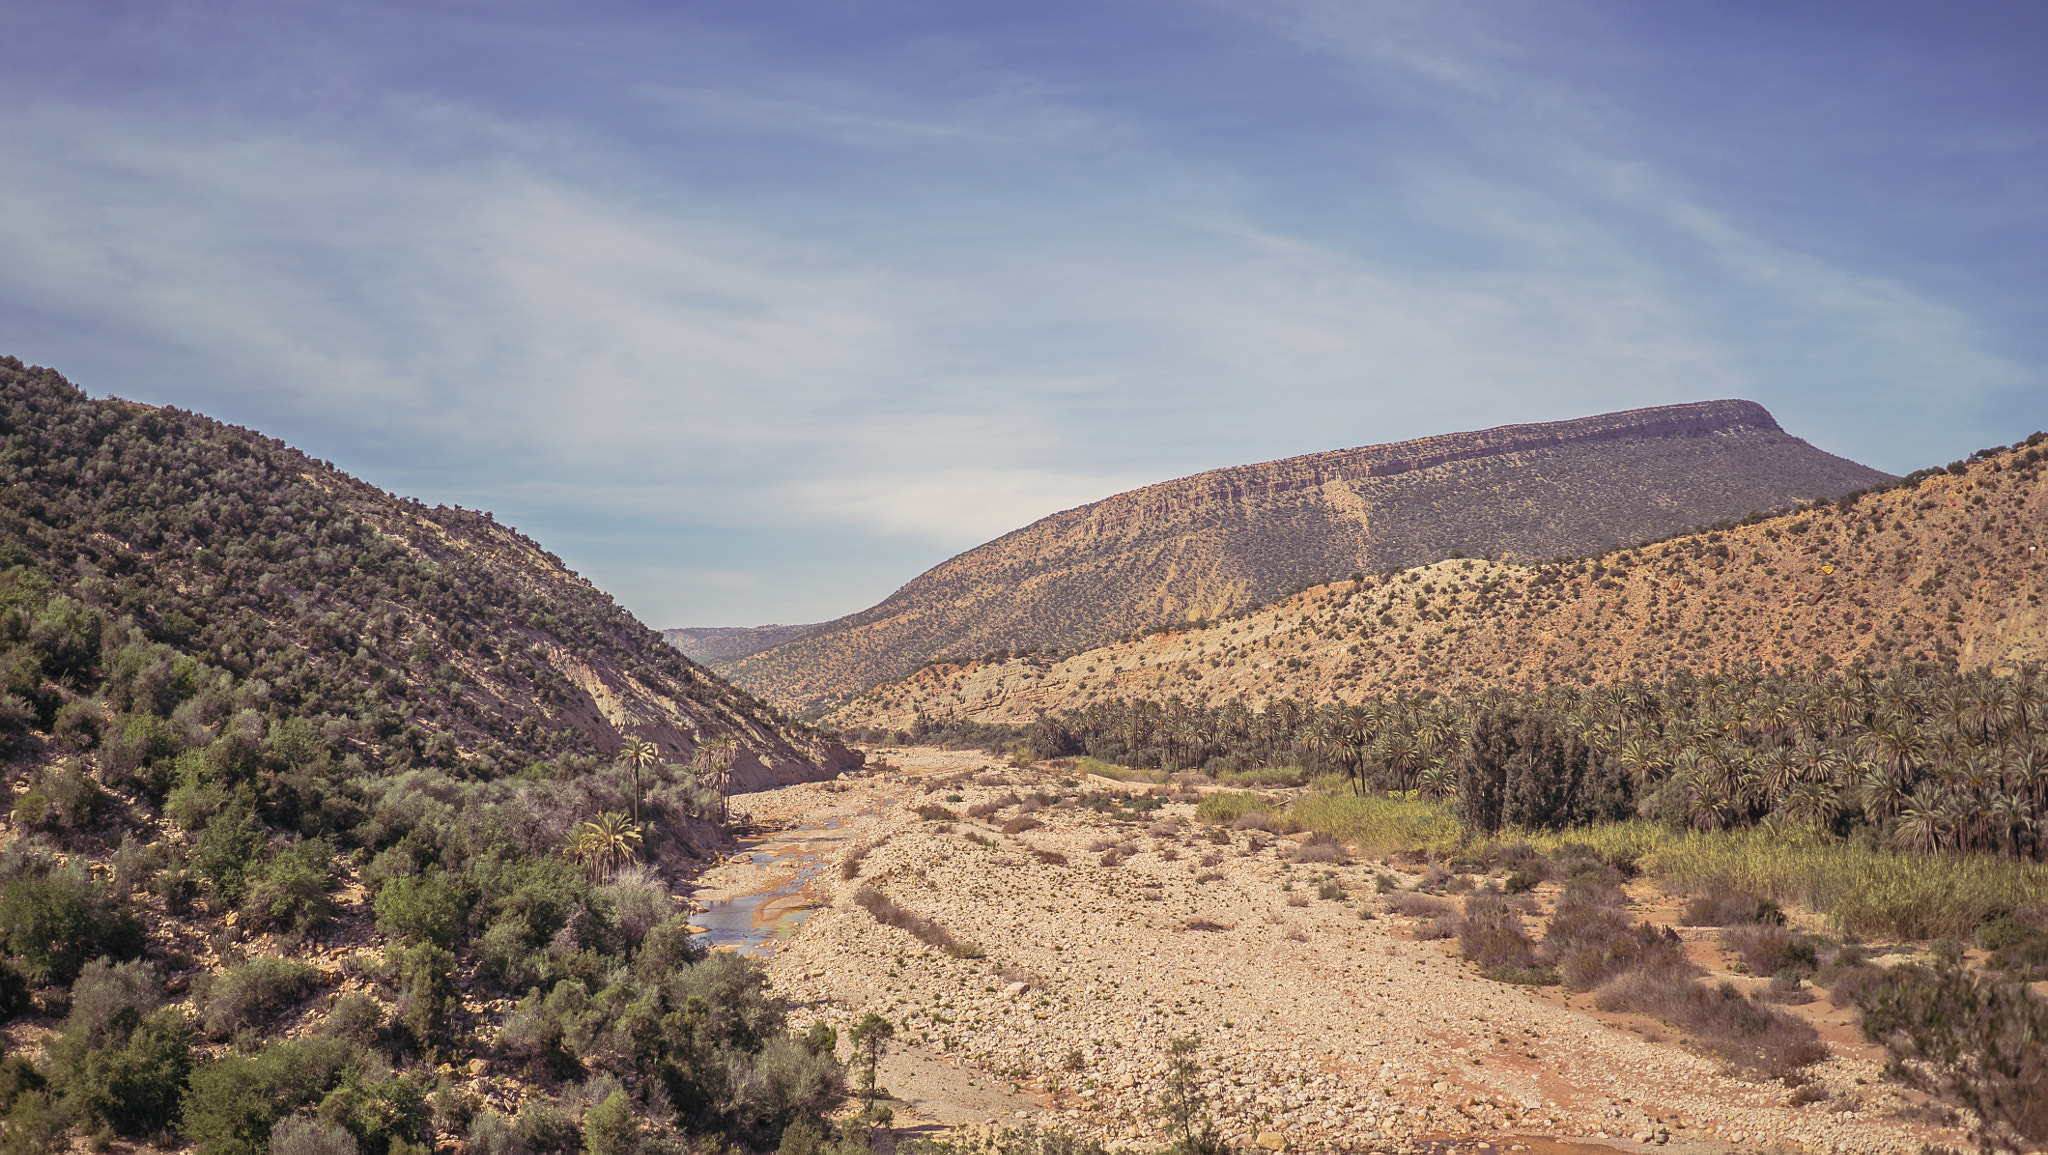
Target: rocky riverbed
(1069,953)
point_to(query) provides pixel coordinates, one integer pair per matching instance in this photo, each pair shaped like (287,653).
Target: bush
(60,799)
(1409,904)
(1320,848)
(1976,1039)
(357,1018)
(1591,938)
(234,1102)
(610,1128)
(298,1135)
(493,1134)
(253,993)
(1229,807)
(1723,907)
(51,923)
(1766,950)
(639,902)
(888,913)
(1720,1021)
(425,908)
(291,890)
(1491,935)
(122,1062)
(379,1113)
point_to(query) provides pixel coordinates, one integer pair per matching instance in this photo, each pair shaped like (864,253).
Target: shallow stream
(759,922)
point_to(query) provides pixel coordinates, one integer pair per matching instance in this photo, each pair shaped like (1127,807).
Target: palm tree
(715,760)
(606,843)
(638,754)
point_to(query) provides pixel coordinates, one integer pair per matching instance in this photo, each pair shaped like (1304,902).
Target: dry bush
(1164,828)
(1297,899)
(1591,938)
(849,867)
(1491,935)
(1205,924)
(1050,857)
(1721,906)
(1438,928)
(1742,1031)
(984,809)
(1111,857)
(1412,905)
(1767,949)
(1209,860)
(1209,876)
(1219,836)
(932,812)
(1020,824)
(1320,848)
(888,913)
(1787,988)
(1253,820)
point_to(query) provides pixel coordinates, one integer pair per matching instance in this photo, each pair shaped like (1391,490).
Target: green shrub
(51,923)
(357,1018)
(429,908)
(290,892)
(60,799)
(253,993)
(422,979)
(380,1113)
(120,1061)
(1227,808)
(227,849)
(234,1101)
(610,1128)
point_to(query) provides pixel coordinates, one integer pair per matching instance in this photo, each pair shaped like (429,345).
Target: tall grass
(1266,776)
(1861,890)
(1379,826)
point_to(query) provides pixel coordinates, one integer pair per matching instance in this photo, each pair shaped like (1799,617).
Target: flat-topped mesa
(1238,483)
(1231,538)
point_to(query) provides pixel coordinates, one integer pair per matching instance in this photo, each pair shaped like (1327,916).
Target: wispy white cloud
(983,306)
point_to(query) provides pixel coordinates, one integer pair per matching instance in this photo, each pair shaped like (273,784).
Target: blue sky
(753,311)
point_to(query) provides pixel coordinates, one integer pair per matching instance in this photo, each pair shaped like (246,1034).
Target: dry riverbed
(1323,1023)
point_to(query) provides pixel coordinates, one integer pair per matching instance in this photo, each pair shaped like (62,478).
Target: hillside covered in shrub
(340,823)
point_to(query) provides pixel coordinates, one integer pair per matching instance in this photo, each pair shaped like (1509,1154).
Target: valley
(1324,1019)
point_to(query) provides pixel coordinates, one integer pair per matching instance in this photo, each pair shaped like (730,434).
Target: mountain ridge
(1947,567)
(430,634)
(1221,540)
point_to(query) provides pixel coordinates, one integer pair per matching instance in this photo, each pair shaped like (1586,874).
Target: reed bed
(1861,890)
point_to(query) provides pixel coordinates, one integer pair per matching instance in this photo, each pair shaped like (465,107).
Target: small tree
(1183,1104)
(714,761)
(638,754)
(606,843)
(870,1038)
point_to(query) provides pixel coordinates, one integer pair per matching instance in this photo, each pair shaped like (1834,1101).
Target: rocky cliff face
(1232,538)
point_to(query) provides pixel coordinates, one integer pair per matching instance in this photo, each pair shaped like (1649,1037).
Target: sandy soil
(1322,1022)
